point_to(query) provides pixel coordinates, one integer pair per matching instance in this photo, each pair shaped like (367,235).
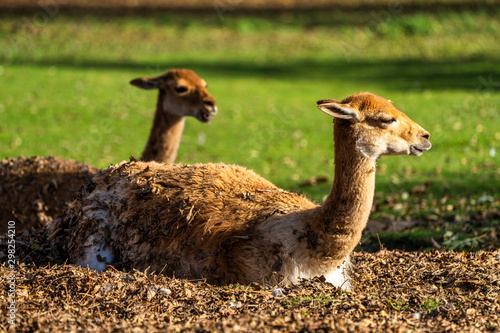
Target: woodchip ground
(394,291)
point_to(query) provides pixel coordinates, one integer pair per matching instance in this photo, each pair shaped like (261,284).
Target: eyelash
(388,121)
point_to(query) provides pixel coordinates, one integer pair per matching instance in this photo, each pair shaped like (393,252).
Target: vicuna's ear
(336,109)
(147,82)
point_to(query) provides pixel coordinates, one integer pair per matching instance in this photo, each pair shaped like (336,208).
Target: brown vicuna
(33,191)
(182,93)
(227,224)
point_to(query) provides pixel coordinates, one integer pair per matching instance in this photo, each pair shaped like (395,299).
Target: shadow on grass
(322,13)
(479,73)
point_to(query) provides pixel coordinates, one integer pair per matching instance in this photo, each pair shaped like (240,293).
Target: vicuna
(182,93)
(227,224)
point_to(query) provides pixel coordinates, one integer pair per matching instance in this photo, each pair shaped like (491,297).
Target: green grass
(396,305)
(430,304)
(65,92)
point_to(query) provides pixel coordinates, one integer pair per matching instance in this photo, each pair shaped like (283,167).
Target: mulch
(394,291)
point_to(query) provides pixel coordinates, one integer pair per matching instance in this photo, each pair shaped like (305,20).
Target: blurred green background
(64,91)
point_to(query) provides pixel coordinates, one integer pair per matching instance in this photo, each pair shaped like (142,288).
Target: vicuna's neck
(345,212)
(165,136)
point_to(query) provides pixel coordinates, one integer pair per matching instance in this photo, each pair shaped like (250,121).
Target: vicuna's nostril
(426,136)
(208,103)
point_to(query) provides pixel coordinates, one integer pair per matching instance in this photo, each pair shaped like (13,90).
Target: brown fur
(34,190)
(182,93)
(227,224)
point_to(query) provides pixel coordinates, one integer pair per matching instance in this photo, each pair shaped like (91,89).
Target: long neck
(345,212)
(165,136)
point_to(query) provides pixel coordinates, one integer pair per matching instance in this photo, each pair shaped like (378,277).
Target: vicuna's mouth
(206,115)
(418,150)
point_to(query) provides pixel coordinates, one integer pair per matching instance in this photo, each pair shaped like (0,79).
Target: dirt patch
(394,292)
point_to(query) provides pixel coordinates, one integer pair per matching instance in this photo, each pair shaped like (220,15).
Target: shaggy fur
(227,224)
(35,190)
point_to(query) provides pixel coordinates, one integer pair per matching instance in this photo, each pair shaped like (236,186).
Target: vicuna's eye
(388,121)
(180,89)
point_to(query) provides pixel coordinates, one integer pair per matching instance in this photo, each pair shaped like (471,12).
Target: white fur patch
(96,257)
(373,149)
(97,254)
(339,277)
(297,263)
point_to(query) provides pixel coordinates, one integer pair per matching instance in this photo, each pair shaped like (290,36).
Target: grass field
(65,92)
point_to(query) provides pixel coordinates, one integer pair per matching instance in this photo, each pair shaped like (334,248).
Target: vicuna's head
(377,127)
(182,93)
